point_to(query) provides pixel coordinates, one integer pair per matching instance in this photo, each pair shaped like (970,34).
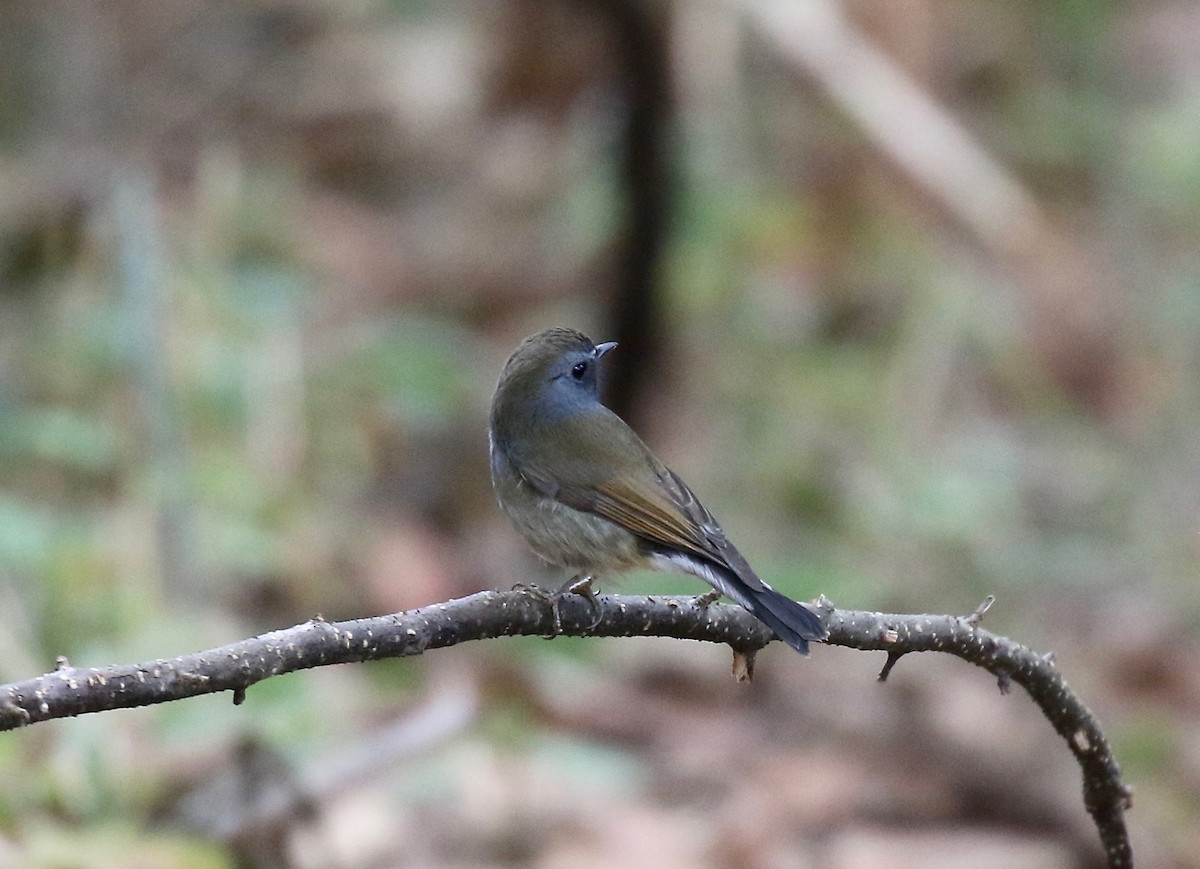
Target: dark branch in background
(72,691)
(638,34)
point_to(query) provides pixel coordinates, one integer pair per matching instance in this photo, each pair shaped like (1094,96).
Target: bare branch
(69,690)
(1104,794)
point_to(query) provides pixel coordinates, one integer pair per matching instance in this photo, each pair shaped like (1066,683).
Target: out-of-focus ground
(931,308)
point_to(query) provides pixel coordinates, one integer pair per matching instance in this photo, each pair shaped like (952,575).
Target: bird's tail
(792,622)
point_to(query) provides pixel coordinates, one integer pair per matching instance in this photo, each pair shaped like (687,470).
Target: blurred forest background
(908,290)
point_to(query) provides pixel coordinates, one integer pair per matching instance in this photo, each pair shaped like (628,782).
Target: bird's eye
(578,370)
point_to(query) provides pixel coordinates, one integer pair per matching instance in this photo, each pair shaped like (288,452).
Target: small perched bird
(588,495)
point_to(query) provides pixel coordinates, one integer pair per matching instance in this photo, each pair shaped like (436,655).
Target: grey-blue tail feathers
(792,622)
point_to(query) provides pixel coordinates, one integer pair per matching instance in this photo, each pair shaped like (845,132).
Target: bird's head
(552,373)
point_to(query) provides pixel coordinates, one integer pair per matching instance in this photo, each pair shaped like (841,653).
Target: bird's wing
(595,463)
(628,486)
(658,508)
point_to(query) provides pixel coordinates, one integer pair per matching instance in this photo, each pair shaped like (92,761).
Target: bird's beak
(601,349)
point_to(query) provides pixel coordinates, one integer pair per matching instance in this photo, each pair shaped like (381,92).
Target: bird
(588,495)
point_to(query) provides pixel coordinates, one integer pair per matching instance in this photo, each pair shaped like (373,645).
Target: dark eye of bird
(579,369)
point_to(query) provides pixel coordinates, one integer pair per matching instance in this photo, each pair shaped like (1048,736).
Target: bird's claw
(551,598)
(704,601)
(580,585)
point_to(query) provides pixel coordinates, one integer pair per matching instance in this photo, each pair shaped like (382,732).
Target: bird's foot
(546,597)
(704,601)
(582,586)
(579,584)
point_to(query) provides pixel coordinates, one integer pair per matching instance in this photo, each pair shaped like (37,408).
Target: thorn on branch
(1004,682)
(239,695)
(10,709)
(977,616)
(743,664)
(892,658)
(61,663)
